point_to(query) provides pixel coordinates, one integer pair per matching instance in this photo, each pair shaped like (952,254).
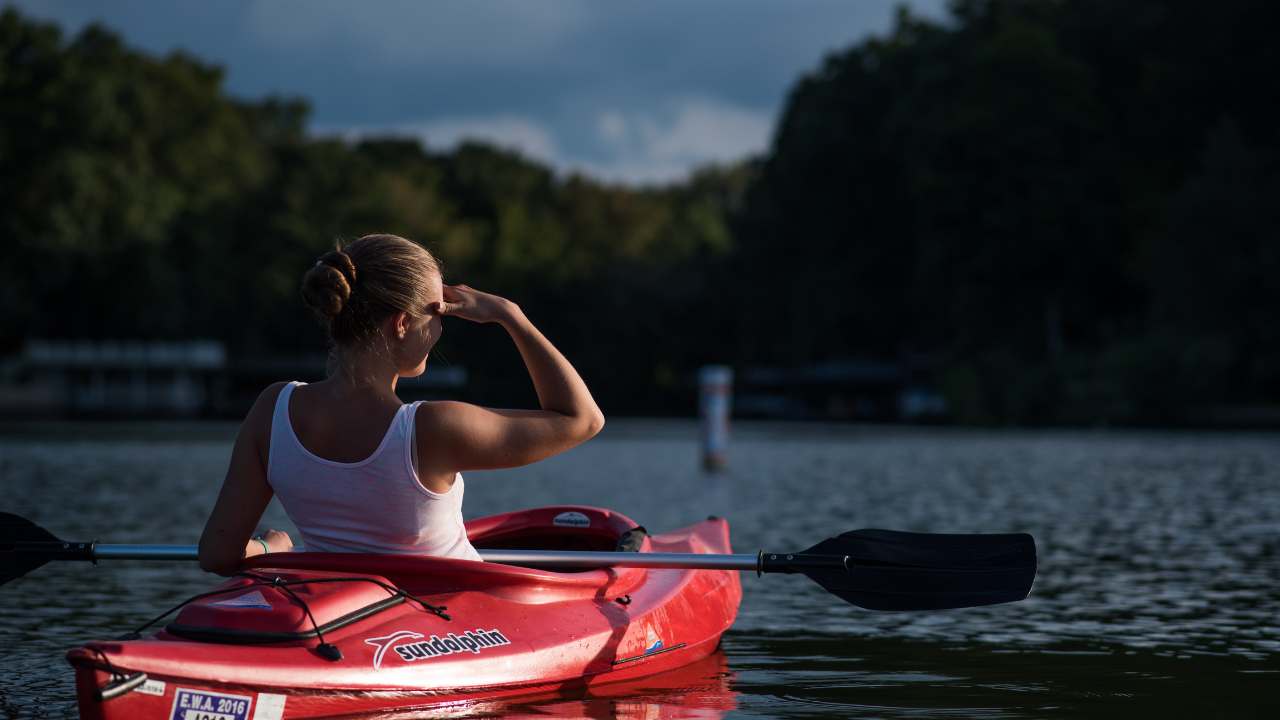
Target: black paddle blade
(891,570)
(15,529)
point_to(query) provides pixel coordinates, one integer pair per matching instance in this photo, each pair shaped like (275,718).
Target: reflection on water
(1158,591)
(699,691)
(821,677)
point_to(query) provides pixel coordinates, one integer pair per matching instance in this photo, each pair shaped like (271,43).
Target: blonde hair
(353,288)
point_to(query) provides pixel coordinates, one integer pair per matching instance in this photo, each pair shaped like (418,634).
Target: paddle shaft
(873,569)
(759,562)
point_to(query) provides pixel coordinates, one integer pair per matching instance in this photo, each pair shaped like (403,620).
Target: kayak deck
(253,650)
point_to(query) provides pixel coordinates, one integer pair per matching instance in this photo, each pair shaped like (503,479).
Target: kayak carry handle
(120,686)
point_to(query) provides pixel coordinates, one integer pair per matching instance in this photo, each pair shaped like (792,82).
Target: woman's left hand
(278,540)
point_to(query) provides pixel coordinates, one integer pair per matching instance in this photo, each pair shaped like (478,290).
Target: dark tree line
(1067,209)
(1072,206)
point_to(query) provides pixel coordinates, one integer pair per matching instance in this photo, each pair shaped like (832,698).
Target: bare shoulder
(271,392)
(437,414)
(266,402)
(435,430)
(257,424)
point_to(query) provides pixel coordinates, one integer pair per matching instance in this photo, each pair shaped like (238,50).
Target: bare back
(342,429)
(348,428)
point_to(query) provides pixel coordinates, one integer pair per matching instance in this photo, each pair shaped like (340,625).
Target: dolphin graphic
(384,642)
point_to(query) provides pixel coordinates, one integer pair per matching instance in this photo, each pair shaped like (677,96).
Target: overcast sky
(635,92)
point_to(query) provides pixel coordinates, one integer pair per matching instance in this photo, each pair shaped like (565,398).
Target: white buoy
(715,388)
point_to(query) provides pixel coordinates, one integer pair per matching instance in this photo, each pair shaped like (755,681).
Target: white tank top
(375,505)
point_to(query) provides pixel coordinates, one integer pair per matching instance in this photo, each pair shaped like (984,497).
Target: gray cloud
(632,92)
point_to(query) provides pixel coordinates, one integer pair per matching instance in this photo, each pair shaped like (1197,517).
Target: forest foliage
(1061,211)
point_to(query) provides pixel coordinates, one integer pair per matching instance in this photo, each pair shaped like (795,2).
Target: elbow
(572,429)
(218,563)
(595,423)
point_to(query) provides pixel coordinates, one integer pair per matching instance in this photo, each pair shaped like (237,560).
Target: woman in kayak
(357,470)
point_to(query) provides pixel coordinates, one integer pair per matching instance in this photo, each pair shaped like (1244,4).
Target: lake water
(1158,591)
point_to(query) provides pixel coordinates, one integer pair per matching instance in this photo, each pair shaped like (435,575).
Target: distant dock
(149,379)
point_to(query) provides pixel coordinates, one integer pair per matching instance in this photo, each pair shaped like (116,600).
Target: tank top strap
(408,428)
(281,432)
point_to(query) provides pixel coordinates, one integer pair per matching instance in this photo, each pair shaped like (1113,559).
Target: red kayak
(305,635)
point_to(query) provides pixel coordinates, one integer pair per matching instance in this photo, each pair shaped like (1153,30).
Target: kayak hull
(696,688)
(511,630)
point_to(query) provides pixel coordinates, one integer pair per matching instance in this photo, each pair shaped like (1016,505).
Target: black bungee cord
(324,649)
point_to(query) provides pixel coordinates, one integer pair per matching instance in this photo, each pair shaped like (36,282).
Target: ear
(400,325)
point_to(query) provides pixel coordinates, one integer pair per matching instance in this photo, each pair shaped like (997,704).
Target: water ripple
(1158,589)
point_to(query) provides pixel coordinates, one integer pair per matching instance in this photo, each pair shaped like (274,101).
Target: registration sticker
(204,705)
(248,600)
(269,707)
(152,687)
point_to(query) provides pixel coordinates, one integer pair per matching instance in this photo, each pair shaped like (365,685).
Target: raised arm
(459,436)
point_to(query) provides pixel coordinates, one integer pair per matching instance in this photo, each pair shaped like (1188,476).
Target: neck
(362,372)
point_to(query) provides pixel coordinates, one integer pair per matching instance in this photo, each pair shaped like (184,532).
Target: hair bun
(327,286)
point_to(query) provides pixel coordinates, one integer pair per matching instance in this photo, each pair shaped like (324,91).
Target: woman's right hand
(463,301)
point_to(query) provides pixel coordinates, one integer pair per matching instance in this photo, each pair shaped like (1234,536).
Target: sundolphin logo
(384,642)
(472,641)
